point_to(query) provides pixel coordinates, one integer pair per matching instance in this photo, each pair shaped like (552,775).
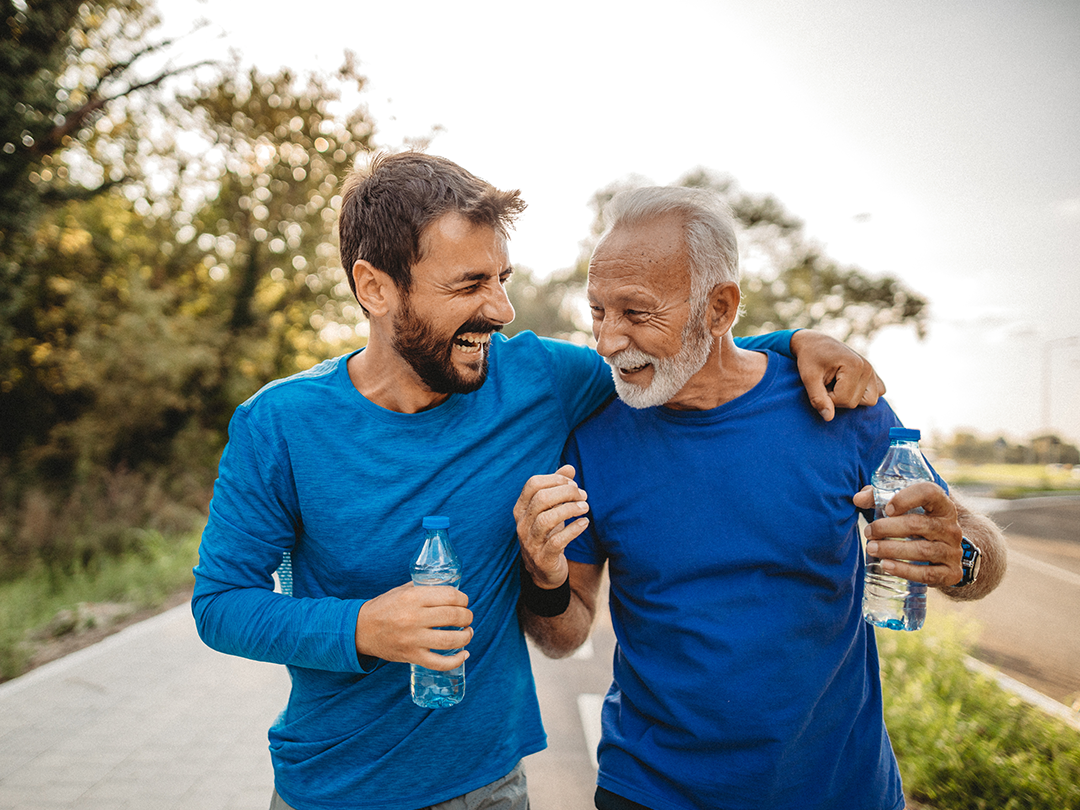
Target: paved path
(152,719)
(149,718)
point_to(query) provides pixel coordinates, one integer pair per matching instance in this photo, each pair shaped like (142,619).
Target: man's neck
(384,378)
(728,374)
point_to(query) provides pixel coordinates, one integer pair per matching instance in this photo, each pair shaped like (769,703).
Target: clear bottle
(891,601)
(437,564)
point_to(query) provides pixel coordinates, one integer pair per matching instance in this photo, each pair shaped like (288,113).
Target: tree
(172,254)
(787,280)
(74,97)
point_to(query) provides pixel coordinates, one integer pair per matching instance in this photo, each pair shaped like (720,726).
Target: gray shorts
(509,793)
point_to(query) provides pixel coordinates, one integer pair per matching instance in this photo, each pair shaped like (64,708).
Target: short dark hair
(386,209)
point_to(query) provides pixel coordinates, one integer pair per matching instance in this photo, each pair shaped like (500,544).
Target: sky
(934,140)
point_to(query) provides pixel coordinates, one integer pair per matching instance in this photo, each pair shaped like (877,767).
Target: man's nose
(610,338)
(497,307)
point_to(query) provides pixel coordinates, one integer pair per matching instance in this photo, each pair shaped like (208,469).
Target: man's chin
(635,396)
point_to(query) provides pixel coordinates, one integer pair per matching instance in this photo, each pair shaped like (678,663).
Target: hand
(402,625)
(834,375)
(545,503)
(936,534)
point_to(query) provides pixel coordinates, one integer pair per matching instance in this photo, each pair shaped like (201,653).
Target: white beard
(670,374)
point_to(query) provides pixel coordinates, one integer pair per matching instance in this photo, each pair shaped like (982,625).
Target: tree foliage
(166,249)
(788,281)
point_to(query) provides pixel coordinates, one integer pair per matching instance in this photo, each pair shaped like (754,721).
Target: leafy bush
(963,742)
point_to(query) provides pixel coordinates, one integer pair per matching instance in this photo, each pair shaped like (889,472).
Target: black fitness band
(541,601)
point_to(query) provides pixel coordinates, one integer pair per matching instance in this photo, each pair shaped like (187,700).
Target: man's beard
(429,355)
(670,374)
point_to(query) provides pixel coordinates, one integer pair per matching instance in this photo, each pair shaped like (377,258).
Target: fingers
(864,498)
(538,483)
(925,494)
(820,400)
(406,623)
(439,641)
(545,503)
(854,383)
(935,536)
(874,391)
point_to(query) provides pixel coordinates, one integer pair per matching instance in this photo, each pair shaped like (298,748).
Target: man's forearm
(558,636)
(982,532)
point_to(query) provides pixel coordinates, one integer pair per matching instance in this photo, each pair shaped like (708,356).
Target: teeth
(634,370)
(473,343)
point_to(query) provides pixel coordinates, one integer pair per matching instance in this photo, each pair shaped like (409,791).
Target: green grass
(963,742)
(45,601)
(1012,480)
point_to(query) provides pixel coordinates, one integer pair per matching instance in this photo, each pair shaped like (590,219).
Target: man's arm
(546,502)
(834,375)
(944,522)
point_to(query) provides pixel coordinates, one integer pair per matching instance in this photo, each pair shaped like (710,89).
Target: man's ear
(374,289)
(724,300)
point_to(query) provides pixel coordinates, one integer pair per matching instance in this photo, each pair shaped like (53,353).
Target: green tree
(172,253)
(74,95)
(788,281)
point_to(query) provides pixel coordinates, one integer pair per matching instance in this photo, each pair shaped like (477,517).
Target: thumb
(820,400)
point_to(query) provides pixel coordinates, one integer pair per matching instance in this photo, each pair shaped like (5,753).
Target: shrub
(963,742)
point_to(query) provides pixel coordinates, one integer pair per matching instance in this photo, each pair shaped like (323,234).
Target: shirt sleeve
(254,519)
(585,547)
(581,377)
(779,342)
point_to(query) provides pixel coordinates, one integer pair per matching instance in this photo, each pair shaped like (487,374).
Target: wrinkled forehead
(649,256)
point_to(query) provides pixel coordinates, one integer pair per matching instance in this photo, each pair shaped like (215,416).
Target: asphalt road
(1027,628)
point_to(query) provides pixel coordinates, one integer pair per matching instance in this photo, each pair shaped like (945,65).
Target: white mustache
(630,358)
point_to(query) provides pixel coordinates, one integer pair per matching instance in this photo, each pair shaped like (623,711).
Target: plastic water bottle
(891,601)
(437,564)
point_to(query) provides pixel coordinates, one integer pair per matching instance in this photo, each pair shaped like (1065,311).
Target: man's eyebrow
(473,276)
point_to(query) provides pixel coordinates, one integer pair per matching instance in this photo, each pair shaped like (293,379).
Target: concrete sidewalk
(149,718)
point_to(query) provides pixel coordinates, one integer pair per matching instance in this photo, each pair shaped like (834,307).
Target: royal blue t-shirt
(314,468)
(744,675)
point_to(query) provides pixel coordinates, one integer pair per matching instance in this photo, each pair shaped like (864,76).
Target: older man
(744,675)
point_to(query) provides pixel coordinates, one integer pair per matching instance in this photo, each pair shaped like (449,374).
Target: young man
(744,675)
(338,466)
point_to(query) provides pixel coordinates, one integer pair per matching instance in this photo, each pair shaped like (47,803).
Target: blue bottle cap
(904,434)
(436,522)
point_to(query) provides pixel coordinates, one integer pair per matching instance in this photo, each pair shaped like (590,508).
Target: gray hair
(709,229)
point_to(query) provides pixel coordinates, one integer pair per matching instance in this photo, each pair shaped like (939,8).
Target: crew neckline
(439,413)
(733,406)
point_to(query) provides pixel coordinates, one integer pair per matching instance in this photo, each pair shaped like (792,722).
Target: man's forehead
(640,260)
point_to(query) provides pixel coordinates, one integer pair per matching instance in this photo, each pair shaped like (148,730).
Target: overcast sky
(937,141)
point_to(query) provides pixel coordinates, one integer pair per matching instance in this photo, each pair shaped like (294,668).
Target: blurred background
(906,176)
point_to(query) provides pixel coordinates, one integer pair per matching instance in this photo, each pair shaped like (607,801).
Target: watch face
(972,561)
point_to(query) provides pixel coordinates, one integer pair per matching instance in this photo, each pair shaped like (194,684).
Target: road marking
(1044,568)
(589,709)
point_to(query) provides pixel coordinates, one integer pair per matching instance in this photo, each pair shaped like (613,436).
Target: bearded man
(726,513)
(337,466)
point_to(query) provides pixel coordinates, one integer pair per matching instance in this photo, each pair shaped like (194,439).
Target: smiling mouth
(627,371)
(472,342)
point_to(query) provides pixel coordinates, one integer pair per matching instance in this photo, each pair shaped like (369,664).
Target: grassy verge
(1013,480)
(48,605)
(962,741)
